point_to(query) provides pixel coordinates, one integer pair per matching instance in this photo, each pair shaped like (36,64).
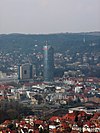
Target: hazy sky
(49,16)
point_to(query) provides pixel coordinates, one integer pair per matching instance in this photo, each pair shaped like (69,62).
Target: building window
(25,72)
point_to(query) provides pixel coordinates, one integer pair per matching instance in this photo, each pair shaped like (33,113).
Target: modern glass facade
(48,63)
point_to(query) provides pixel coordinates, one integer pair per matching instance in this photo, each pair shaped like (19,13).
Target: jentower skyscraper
(48,63)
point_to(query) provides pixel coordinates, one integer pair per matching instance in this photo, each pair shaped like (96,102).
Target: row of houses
(73,122)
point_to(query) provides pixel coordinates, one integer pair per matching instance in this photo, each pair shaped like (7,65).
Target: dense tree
(13,110)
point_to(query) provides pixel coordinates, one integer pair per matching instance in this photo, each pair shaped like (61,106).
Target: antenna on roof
(46,43)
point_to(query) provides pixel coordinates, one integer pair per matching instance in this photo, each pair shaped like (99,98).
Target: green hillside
(64,41)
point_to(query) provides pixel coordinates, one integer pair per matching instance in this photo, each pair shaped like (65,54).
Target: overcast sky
(49,16)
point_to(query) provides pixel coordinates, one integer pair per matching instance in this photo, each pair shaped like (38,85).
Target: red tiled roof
(39,122)
(82,113)
(70,116)
(23,122)
(64,125)
(1,97)
(54,118)
(96,115)
(4,86)
(6,122)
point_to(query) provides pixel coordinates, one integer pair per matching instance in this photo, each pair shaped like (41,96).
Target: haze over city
(49,16)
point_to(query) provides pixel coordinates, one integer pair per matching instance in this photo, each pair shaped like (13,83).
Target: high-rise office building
(26,71)
(48,63)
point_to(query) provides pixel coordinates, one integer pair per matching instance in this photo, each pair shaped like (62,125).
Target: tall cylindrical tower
(48,63)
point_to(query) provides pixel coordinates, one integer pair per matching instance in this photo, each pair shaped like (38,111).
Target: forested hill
(74,42)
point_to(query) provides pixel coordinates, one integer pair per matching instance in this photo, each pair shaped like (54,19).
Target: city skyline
(49,16)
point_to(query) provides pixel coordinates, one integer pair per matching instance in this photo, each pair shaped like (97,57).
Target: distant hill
(74,42)
(94,33)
